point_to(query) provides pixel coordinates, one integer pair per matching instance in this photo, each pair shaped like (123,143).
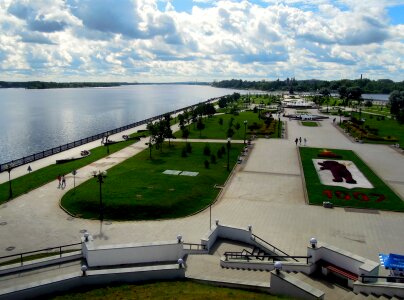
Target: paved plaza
(265,191)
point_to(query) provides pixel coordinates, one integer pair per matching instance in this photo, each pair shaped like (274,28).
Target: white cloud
(133,40)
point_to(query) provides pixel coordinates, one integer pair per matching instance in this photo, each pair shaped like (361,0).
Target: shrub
(213,159)
(219,153)
(188,147)
(206,164)
(223,149)
(206,150)
(184,152)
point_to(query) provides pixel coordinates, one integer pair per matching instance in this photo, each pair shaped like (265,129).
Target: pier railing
(39,155)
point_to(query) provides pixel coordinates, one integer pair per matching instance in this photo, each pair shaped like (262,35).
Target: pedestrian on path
(305,141)
(63,181)
(300,140)
(59,181)
(296,140)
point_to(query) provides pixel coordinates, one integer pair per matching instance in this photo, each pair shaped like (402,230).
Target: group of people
(62,181)
(299,140)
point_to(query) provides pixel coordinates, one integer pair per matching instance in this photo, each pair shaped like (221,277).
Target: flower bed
(379,197)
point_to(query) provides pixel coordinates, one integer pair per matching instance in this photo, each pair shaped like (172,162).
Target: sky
(200,40)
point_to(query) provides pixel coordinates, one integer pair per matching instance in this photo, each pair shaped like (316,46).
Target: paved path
(266,191)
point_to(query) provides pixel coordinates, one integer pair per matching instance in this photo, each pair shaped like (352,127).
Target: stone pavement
(265,191)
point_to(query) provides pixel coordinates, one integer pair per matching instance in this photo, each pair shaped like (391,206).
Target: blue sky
(396,14)
(168,40)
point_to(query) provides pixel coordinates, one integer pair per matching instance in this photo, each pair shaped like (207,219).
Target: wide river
(36,120)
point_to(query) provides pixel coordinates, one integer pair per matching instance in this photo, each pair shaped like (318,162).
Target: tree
(343,94)
(355,93)
(326,95)
(220,121)
(237,126)
(153,132)
(185,133)
(230,132)
(396,101)
(200,126)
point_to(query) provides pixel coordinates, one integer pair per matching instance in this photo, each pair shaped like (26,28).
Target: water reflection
(35,120)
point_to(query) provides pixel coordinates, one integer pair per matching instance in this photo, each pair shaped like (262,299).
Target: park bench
(339,272)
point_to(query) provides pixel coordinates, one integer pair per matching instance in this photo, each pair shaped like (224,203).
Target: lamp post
(74,172)
(106,141)
(10,191)
(228,153)
(279,124)
(245,130)
(100,179)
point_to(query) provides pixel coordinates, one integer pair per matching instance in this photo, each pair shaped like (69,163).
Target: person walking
(300,140)
(59,181)
(296,140)
(63,181)
(305,141)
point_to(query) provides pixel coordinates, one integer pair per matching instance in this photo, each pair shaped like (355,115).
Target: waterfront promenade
(265,191)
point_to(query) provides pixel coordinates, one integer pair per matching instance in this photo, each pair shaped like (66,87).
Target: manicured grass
(309,123)
(35,179)
(137,189)
(164,290)
(213,130)
(382,110)
(387,127)
(339,196)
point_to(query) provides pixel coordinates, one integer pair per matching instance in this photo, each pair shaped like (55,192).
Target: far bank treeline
(56,85)
(381,86)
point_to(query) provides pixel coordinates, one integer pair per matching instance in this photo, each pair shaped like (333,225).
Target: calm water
(36,120)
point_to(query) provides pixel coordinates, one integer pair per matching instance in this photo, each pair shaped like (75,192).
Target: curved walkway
(266,191)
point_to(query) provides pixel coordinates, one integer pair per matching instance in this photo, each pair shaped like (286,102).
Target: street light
(74,172)
(279,124)
(228,153)
(100,179)
(10,166)
(106,141)
(245,130)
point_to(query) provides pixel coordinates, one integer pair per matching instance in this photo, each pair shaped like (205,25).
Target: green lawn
(309,123)
(137,189)
(378,109)
(380,197)
(386,127)
(213,130)
(37,178)
(184,290)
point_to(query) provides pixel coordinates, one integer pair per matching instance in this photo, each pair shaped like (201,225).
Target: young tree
(200,126)
(396,101)
(220,121)
(185,133)
(230,132)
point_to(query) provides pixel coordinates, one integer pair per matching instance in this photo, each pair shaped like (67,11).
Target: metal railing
(32,255)
(240,255)
(39,155)
(388,278)
(274,249)
(191,246)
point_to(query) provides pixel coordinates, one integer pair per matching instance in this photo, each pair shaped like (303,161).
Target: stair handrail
(381,277)
(20,256)
(192,245)
(269,244)
(234,254)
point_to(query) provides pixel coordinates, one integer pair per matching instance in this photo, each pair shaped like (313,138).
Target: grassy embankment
(137,189)
(183,290)
(213,130)
(37,178)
